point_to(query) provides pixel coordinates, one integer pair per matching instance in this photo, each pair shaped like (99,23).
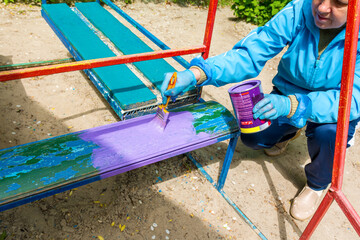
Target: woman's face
(329,13)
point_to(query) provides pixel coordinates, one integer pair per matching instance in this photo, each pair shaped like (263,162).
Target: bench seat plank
(124,86)
(126,41)
(32,171)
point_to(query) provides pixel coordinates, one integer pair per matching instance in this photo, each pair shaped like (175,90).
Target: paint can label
(243,98)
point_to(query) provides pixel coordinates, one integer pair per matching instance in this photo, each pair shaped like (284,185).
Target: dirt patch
(166,200)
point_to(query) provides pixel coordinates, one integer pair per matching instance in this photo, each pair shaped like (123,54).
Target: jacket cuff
(203,76)
(204,66)
(303,111)
(293,105)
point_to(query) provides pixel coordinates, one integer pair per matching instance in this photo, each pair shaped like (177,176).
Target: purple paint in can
(244,97)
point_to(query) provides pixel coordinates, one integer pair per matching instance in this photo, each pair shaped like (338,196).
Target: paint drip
(244,97)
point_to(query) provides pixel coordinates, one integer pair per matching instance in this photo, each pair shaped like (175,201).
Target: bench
(36,170)
(126,93)
(125,40)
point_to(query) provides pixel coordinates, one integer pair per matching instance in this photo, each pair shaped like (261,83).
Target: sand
(166,200)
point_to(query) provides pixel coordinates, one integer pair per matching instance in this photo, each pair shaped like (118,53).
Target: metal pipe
(320,213)
(35,64)
(347,80)
(227,161)
(225,196)
(94,63)
(209,27)
(348,210)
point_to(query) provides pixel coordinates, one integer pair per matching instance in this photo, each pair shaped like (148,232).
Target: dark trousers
(321,147)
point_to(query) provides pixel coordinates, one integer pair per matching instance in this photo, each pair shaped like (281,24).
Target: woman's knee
(322,133)
(254,141)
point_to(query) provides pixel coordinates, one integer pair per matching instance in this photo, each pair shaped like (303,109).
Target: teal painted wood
(33,168)
(126,41)
(123,85)
(52,165)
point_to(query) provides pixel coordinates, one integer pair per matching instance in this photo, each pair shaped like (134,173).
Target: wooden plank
(29,171)
(126,41)
(123,85)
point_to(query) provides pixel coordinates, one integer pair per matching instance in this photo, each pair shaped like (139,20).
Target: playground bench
(82,30)
(36,170)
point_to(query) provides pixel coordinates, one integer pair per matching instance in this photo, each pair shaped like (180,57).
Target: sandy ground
(167,200)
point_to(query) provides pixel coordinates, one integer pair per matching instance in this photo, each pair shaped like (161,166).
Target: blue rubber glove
(272,106)
(184,79)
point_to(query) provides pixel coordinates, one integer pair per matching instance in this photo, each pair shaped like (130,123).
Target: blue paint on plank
(23,160)
(13,187)
(126,41)
(209,118)
(37,166)
(121,82)
(63,175)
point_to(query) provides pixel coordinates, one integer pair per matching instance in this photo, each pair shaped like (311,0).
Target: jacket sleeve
(323,106)
(249,55)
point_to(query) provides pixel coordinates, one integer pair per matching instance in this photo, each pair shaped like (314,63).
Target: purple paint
(141,138)
(244,97)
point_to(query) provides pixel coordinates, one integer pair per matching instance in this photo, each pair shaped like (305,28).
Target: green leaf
(3,236)
(257,11)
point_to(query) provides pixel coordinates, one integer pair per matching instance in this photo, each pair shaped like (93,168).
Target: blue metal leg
(231,149)
(227,161)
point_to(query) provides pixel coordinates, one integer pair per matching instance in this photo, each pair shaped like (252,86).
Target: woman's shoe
(306,203)
(280,147)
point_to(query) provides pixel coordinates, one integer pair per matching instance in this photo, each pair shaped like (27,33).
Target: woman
(306,87)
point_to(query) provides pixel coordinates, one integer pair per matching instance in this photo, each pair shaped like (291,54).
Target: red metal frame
(102,62)
(347,80)
(94,63)
(209,27)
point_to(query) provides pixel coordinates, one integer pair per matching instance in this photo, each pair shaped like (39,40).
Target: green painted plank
(125,40)
(38,166)
(30,170)
(123,85)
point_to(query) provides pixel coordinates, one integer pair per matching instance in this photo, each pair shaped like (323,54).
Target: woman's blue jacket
(313,79)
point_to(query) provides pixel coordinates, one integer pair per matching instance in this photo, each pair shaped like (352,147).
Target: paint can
(244,97)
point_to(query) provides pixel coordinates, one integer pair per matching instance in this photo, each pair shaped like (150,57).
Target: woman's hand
(184,79)
(272,106)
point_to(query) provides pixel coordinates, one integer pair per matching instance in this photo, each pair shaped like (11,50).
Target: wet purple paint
(141,138)
(244,97)
(244,87)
